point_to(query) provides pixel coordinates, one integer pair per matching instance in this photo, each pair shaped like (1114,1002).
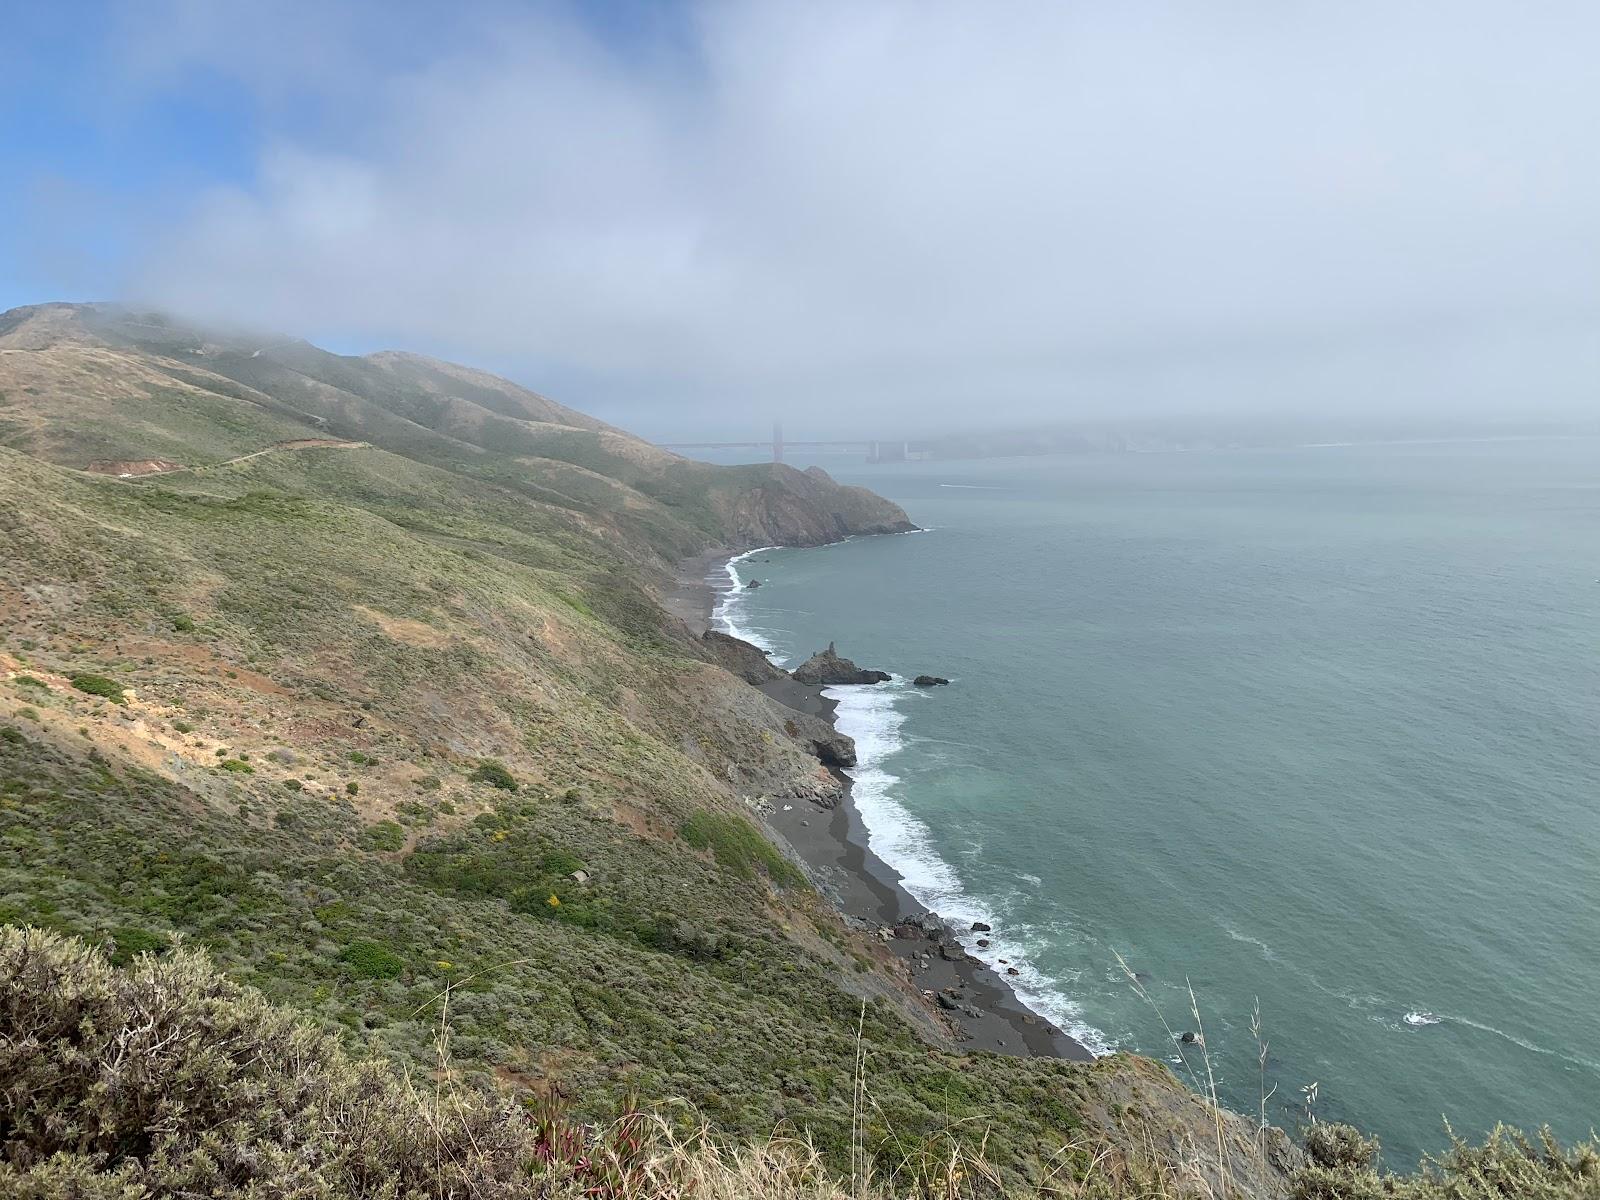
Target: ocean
(1314,733)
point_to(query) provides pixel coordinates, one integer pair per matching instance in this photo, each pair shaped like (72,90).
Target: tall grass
(165,1079)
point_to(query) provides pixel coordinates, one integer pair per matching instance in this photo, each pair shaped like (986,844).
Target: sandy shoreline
(833,844)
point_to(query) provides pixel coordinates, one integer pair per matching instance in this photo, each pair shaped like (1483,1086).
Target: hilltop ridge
(89,383)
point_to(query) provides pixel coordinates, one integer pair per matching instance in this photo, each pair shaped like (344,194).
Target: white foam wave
(1421,1018)
(1515,1040)
(727,614)
(871,716)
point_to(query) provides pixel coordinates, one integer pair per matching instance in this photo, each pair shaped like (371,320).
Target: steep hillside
(98,385)
(366,706)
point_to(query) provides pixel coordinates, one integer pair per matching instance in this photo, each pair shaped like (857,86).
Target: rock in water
(826,669)
(930,681)
(754,583)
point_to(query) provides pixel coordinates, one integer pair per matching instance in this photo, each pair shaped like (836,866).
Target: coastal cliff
(353,676)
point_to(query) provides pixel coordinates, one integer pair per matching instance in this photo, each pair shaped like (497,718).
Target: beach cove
(834,846)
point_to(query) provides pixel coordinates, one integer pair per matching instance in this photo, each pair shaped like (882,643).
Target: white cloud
(1036,208)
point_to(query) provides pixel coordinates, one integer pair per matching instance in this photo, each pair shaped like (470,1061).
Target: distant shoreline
(834,846)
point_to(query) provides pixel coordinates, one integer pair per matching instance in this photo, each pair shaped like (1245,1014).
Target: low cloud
(924,215)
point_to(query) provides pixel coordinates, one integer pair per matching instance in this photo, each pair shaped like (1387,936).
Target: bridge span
(876,449)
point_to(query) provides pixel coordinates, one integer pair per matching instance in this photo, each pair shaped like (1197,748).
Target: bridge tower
(777,441)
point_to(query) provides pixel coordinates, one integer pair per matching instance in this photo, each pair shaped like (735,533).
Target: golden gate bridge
(876,449)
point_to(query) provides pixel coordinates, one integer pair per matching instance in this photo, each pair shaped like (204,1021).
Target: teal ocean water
(1318,729)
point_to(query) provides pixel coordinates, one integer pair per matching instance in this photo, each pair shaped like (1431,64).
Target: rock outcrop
(733,654)
(930,681)
(790,507)
(826,668)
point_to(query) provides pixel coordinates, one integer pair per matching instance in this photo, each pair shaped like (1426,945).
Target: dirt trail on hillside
(140,468)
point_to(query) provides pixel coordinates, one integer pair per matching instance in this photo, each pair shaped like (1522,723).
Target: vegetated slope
(149,1080)
(365,725)
(83,384)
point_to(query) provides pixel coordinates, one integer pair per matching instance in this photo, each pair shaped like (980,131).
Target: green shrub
(99,685)
(352,787)
(28,713)
(494,773)
(217,1094)
(372,961)
(430,783)
(559,863)
(182,623)
(1343,1166)
(385,835)
(12,734)
(237,766)
(738,845)
(28,681)
(412,813)
(182,727)
(294,785)
(130,942)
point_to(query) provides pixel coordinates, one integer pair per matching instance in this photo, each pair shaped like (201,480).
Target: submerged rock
(754,583)
(826,668)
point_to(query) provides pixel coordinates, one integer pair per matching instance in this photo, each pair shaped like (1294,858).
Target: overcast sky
(863,217)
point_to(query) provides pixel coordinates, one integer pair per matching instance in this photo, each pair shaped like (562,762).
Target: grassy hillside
(82,385)
(370,705)
(151,1080)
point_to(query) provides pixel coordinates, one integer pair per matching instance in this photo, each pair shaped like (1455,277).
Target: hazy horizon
(876,219)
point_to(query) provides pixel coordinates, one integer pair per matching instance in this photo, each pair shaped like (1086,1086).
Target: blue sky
(880,213)
(103,132)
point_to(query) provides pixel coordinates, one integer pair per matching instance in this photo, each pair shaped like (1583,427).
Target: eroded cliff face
(804,508)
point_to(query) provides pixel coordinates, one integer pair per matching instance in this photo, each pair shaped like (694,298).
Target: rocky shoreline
(970,996)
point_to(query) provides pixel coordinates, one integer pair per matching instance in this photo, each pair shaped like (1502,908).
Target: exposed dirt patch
(403,629)
(202,657)
(318,443)
(126,467)
(645,825)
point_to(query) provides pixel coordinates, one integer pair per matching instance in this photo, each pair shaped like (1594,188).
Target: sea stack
(826,668)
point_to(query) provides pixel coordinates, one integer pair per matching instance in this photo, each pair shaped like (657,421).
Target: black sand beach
(833,845)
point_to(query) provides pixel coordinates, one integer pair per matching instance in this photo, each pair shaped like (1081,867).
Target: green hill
(352,674)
